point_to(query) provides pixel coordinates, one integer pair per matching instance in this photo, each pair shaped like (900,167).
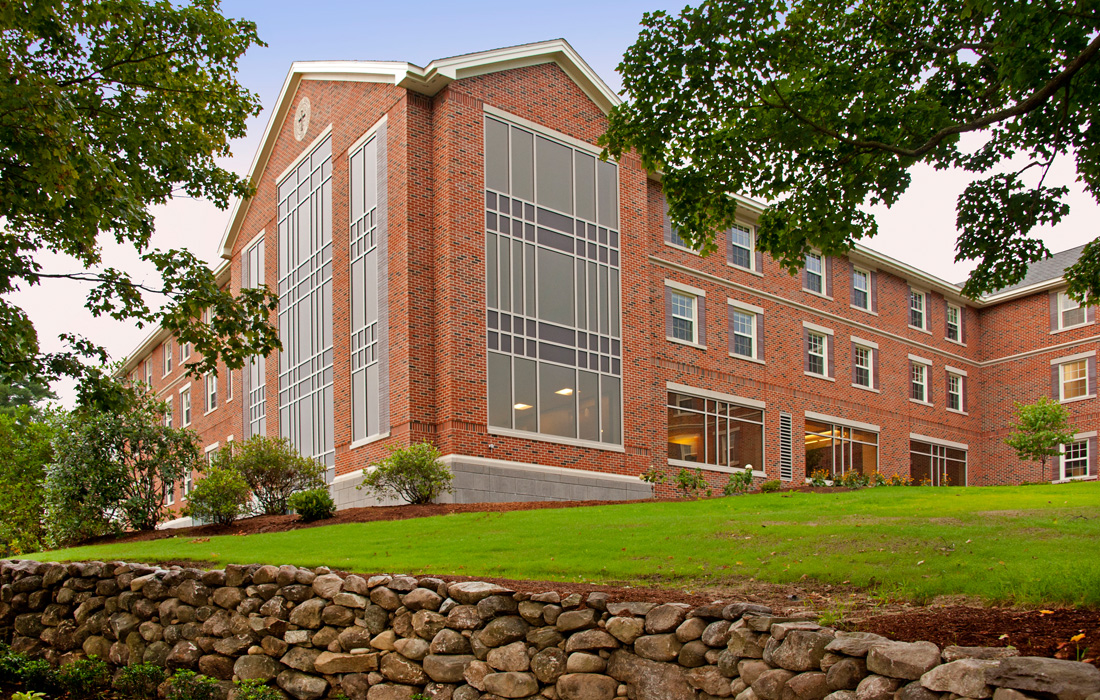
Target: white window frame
(166,357)
(856,272)
(824,353)
(751,312)
(820,272)
(958,323)
(870,367)
(923,296)
(1081,439)
(185,352)
(170,493)
(149,371)
(1065,303)
(168,412)
(210,452)
(697,296)
(953,378)
(926,374)
(185,406)
(210,392)
(228,385)
(751,231)
(1062,366)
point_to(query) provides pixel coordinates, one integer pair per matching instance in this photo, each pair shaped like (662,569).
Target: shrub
(25,450)
(653,475)
(690,483)
(219,497)
(24,695)
(188,685)
(770,486)
(37,674)
(140,681)
(85,678)
(412,473)
(738,483)
(273,469)
(11,665)
(819,477)
(877,479)
(255,689)
(898,480)
(853,479)
(315,504)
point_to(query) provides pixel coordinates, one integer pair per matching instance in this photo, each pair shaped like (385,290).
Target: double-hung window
(746,331)
(1075,459)
(861,289)
(149,372)
(169,493)
(211,391)
(1070,312)
(918,309)
(1074,379)
(168,412)
(862,360)
(185,407)
(167,350)
(954,323)
(185,351)
(814,279)
(954,392)
(741,248)
(817,350)
(684,326)
(920,389)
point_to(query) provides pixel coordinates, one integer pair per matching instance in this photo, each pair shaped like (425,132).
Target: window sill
(746,359)
(684,342)
(921,403)
(922,330)
(683,248)
(1070,479)
(956,342)
(542,437)
(1072,328)
(820,376)
(209,412)
(955,410)
(818,294)
(186,425)
(1078,398)
(369,439)
(745,269)
(712,467)
(863,309)
(867,388)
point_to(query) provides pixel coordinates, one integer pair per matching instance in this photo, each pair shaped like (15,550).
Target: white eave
(428,80)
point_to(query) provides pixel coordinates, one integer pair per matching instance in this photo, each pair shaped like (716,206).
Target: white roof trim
(426,81)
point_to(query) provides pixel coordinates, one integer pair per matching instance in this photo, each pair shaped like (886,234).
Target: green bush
(38,674)
(188,685)
(315,504)
(770,486)
(690,483)
(85,678)
(739,483)
(273,469)
(255,689)
(219,497)
(11,665)
(853,480)
(412,473)
(140,681)
(28,695)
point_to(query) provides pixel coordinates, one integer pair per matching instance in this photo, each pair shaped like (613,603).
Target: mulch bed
(1033,632)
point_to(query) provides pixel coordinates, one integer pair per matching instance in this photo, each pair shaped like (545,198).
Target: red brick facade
(436,305)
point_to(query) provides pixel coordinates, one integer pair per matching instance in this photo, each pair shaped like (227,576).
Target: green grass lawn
(1035,545)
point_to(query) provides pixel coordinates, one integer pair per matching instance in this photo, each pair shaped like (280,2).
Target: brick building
(454,263)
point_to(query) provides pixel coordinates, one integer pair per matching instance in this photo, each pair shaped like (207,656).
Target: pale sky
(919,230)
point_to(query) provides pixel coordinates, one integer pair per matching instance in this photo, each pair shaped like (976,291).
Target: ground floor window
(936,465)
(836,449)
(714,433)
(1075,459)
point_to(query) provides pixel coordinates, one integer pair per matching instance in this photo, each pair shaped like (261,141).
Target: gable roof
(1048,270)
(428,80)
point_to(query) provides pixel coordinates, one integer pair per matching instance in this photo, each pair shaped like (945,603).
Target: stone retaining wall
(316,634)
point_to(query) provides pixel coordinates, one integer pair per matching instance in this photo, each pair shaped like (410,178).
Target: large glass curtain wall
(552,287)
(255,387)
(305,306)
(937,465)
(369,387)
(715,433)
(836,449)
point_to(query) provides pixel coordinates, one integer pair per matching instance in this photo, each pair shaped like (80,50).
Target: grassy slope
(1032,544)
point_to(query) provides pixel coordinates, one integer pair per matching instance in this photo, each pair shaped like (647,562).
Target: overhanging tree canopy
(107,108)
(822,108)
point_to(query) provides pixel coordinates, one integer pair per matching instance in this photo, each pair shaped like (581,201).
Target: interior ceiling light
(521,407)
(564,392)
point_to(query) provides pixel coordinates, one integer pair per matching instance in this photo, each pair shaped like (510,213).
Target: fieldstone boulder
(412,648)
(215,666)
(446,669)
(916,691)
(809,686)
(846,674)
(308,614)
(692,629)
(658,647)
(302,686)
(389,691)
(331,663)
(647,679)
(471,592)
(592,640)
(256,666)
(769,685)
(184,654)
(746,643)
(427,623)
(1069,680)
(328,585)
(586,686)
(580,662)
(854,643)
(965,677)
(510,657)
(709,680)
(693,654)
(716,634)
(549,664)
(954,653)
(398,669)
(800,650)
(626,629)
(907,660)
(575,620)
(422,599)
(233,646)
(877,688)
(511,684)
(463,617)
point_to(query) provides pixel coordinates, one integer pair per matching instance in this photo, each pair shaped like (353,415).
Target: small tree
(110,469)
(273,469)
(1041,429)
(219,497)
(25,450)
(412,473)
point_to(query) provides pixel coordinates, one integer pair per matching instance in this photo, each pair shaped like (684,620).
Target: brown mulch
(1032,632)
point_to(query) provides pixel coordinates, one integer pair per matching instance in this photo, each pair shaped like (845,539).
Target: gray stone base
(498,481)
